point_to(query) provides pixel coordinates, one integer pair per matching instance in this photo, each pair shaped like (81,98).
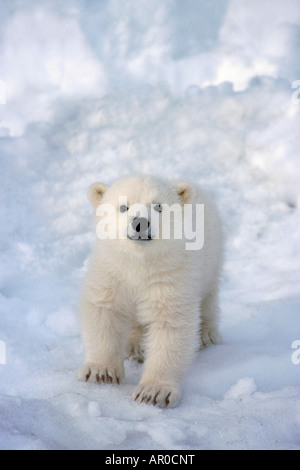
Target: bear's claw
(96,373)
(163,396)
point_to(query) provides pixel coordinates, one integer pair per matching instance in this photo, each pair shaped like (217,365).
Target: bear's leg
(103,332)
(169,350)
(135,343)
(209,333)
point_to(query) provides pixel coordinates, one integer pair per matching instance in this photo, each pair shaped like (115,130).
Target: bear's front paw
(97,373)
(161,395)
(209,336)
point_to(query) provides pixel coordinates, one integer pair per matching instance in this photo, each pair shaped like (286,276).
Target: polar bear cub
(150,291)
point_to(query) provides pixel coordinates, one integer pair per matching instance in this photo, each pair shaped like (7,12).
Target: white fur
(145,298)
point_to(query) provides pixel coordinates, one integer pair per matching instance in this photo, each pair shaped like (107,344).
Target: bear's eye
(158,207)
(123,208)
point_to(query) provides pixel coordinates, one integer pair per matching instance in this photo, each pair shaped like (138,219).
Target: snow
(196,90)
(244,387)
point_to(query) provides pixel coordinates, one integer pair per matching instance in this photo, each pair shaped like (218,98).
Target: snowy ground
(199,90)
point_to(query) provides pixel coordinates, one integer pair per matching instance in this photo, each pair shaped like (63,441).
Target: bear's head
(145,213)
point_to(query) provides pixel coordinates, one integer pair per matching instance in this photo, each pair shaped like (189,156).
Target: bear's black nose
(140,224)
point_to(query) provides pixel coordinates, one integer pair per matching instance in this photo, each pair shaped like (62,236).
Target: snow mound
(243,388)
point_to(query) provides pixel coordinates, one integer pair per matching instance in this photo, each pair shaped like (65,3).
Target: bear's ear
(185,191)
(95,193)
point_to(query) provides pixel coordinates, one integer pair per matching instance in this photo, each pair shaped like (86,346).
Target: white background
(193,90)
